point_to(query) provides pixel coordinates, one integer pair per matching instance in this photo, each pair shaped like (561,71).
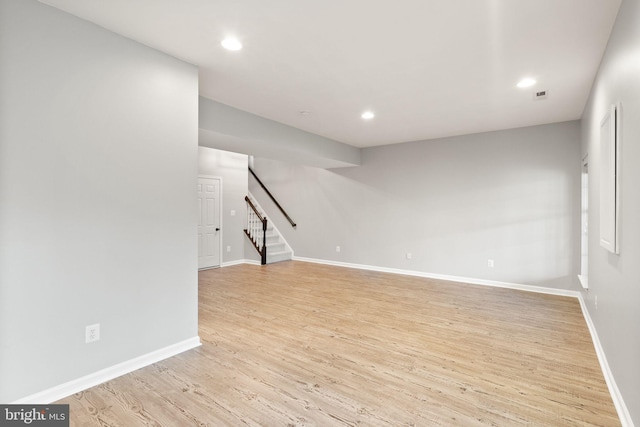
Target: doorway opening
(584,225)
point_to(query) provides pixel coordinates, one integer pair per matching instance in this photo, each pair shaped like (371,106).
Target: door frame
(219,178)
(583,277)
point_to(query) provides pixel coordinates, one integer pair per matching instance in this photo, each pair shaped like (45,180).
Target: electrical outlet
(337,248)
(228,248)
(409,255)
(490,263)
(233,213)
(92,333)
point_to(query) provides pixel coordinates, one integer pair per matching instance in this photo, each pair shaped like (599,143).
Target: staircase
(277,249)
(265,237)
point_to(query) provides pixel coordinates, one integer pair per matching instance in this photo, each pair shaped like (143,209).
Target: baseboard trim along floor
(67,389)
(459,279)
(616,396)
(240,261)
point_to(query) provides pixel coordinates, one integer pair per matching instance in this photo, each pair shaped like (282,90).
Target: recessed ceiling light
(368,115)
(526,82)
(231,43)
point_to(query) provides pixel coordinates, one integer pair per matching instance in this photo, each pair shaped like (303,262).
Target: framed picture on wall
(609,179)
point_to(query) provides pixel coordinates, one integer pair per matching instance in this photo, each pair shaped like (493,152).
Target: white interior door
(208,222)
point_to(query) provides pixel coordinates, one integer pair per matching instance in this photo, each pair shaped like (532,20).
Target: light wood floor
(300,344)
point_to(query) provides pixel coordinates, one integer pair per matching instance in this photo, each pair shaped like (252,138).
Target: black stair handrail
(261,248)
(293,224)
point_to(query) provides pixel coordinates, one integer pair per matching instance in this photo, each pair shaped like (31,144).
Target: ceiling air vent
(540,95)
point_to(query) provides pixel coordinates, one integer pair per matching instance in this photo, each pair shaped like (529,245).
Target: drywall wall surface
(227,128)
(615,279)
(98,167)
(453,204)
(233,169)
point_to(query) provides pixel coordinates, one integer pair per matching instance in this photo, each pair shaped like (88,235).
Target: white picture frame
(609,180)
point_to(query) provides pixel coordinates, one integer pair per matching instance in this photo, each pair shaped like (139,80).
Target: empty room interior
(422,212)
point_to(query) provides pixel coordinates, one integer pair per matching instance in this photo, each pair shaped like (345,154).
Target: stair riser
(275,247)
(277,257)
(274,238)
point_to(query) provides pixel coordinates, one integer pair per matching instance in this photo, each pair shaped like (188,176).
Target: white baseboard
(616,396)
(67,389)
(240,261)
(529,288)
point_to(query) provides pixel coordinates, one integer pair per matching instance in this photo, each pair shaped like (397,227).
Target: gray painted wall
(453,203)
(227,128)
(615,279)
(98,164)
(232,168)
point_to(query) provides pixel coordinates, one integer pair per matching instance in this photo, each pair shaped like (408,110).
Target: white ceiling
(427,68)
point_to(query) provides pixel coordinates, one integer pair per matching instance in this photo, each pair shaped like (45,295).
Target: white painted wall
(615,279)
(98,165)
(232,168)
(453,203)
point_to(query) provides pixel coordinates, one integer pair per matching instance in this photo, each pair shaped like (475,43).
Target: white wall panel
(98,165)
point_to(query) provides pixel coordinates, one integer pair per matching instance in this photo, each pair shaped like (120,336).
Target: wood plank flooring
(300,344)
